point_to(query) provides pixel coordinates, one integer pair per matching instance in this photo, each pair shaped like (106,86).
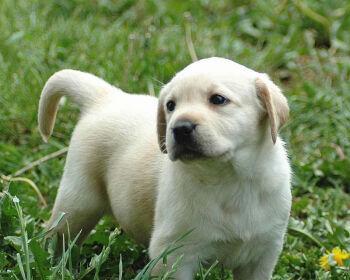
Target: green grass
(303,45)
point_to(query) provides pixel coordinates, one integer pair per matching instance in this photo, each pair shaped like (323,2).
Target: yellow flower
(336,257)
(324,262)
(340,255)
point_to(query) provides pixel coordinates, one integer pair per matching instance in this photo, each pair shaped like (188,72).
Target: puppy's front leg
(262,268)
(187,265)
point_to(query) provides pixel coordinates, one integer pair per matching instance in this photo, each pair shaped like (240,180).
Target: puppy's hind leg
(83,200)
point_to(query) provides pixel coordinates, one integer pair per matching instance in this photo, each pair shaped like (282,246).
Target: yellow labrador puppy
(205,157)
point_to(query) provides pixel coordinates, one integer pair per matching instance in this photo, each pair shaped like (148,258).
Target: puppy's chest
(239,217)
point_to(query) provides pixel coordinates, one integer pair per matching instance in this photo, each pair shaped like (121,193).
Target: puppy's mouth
(186,153)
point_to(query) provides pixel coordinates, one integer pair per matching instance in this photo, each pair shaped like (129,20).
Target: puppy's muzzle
(184,133)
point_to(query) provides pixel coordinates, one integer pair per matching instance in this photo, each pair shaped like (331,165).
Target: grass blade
(120,277)
(306,234)
(20,265)
(24,237)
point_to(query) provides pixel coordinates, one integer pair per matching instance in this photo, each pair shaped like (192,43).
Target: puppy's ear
(274,102)
(161,124)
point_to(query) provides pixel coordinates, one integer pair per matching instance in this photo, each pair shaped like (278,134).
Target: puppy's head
(215,106)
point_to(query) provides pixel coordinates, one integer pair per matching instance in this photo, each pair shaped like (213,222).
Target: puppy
(204,157)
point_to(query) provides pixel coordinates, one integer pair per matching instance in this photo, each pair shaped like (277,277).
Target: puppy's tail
(83,88)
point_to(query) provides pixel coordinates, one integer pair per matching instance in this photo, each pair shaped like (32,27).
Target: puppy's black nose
(183,131)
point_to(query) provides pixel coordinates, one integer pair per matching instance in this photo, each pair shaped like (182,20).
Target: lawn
(139,45)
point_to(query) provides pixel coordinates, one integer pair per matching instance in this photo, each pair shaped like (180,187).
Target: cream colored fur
(236,197)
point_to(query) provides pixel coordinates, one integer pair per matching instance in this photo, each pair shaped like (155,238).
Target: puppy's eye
(218,99)
(170,105)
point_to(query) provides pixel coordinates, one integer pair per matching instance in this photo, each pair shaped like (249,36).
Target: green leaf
(41,258)
(15,241)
